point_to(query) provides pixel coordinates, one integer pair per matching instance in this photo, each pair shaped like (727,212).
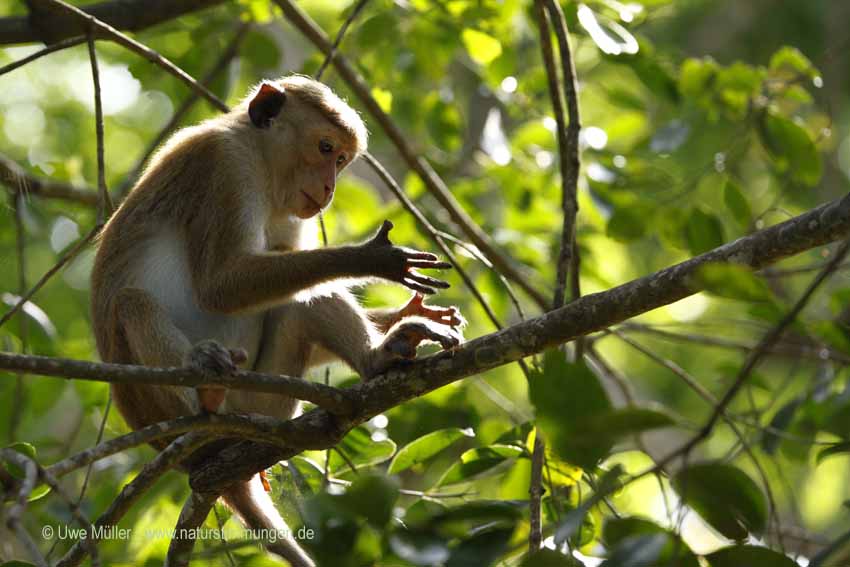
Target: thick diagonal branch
(127,15)
(588,314)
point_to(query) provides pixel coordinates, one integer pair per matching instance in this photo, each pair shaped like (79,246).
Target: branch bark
(333,399)
(128,15)
(588,314)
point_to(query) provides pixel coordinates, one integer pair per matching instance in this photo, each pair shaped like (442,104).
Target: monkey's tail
(257,511)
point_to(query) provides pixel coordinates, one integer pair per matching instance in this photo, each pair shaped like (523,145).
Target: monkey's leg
(300,334)
(154,340)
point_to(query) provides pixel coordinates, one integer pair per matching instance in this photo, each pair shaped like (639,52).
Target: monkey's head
(309,135)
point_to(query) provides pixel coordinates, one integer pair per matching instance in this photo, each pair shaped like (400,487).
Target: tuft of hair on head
(322,98)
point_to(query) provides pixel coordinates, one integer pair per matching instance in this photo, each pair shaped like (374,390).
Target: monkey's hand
(213,360)
(396,263)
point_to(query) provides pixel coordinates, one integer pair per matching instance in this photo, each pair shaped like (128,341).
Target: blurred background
(703,121)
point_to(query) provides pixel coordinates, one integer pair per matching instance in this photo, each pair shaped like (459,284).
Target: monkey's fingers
(417,255)
(417,287)
(427,280)
(238,355)
(382,237)
(429,264)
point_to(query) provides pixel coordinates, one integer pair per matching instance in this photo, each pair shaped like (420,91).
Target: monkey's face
(326,153)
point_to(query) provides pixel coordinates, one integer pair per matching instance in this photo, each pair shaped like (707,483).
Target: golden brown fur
(211,253)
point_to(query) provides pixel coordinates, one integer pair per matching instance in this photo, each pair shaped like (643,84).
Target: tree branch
(76,20)
(333,399)
(17,179)
(166,460)
(195,510)
(588,314)
(129,15)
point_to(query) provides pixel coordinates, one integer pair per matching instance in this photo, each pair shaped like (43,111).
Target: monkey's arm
(255,280)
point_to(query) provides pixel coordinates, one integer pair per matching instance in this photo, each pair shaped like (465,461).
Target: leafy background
(703,121)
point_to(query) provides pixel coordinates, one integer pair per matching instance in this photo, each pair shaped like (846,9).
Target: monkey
(212,262)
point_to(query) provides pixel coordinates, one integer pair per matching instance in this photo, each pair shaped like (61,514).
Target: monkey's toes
(406,338)
(213,359)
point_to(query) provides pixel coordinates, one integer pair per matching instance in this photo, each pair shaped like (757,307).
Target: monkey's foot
(416,307)
(212,359)
(401,342)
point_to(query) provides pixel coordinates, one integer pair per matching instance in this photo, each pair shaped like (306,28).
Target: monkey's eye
(326,147)
(340,160)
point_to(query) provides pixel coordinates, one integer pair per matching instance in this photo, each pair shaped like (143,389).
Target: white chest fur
(165,275)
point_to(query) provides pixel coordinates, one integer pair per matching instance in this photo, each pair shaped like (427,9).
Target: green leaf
(833,450)
(574,519)
(566,396)
(476,462)
(725,497)
(789,61)
(482,48)
(749,555)
(732,281)
(373,497)
(780,422)
(703,231)
(697,76)
(638,551)
(484,547)
(629,222)
(361,450)
(26,449)
(459,521)
(619,423)
(422,449)
(791,148)
(419,548)
(618,531)
(41,490)
(16,564)
(737,203)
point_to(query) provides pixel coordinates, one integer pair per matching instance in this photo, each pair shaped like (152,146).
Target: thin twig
(570,160)
(231,51)
(130,494)
(729,420)
(105,206)
(20,243)
(64,44)
(16,511)
(267,429)
(785,348)
(340,34)
(67,257)
(19,180)
(24,461)
(752,360)
(101,29)
(535,494)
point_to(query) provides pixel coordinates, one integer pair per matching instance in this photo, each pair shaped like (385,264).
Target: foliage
(703,121)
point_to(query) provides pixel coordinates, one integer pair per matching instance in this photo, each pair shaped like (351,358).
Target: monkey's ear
(266,104)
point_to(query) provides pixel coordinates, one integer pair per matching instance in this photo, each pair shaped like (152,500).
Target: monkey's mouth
(312,201)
